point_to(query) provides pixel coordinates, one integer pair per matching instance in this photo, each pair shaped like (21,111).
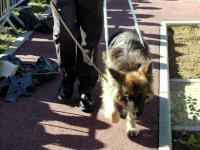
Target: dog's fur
(129,75)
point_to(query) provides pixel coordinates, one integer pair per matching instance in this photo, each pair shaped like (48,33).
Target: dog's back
(127,53)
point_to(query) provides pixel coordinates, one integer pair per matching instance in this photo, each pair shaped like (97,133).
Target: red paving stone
(37,121)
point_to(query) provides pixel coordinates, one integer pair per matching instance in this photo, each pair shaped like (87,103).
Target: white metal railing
(6,10)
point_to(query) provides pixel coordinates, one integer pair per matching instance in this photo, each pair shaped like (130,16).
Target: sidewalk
(39,122)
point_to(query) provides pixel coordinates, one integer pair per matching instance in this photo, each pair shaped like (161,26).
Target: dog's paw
(133,133)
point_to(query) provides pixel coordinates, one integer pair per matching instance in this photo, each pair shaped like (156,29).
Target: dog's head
(135,88)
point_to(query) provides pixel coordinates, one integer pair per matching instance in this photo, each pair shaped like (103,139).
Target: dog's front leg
(132,131)
(115,114)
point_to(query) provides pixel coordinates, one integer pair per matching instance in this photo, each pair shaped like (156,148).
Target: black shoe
(65,91)
(86,103)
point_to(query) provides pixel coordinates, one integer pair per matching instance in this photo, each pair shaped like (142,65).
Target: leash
(106,26)
(76,42)
(106,29)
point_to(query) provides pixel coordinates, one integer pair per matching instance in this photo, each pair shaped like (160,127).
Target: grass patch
(38,7)
(183,140)
(6,40)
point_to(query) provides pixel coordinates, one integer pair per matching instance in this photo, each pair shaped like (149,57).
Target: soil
(183,140)
(184,51)
(184,58)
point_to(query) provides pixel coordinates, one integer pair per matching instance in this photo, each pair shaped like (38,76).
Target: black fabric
(4,85)
(18,85)
(26,77)
(33,23)
(25,3)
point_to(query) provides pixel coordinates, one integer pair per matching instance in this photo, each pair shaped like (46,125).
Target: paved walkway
(39,122)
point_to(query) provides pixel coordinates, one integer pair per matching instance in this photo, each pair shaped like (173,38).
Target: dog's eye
(128,97)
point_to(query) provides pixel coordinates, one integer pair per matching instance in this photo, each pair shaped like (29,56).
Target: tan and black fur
(129,75)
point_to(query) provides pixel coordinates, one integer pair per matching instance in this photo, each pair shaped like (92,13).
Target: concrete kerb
(165,141)
(165,128)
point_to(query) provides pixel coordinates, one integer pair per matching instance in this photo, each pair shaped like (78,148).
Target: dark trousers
(84,19)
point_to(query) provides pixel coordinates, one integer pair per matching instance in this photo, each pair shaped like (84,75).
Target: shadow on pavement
(148,130)
(38,123)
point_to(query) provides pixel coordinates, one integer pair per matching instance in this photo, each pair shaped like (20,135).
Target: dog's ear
(145,69)
(117,75)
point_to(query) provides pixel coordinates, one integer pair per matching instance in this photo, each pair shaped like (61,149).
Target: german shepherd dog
(129,75)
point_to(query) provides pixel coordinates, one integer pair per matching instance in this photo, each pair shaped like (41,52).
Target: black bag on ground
(32,23)
(28,18)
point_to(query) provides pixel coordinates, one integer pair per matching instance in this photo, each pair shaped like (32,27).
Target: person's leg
(65,46)
(90,17)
